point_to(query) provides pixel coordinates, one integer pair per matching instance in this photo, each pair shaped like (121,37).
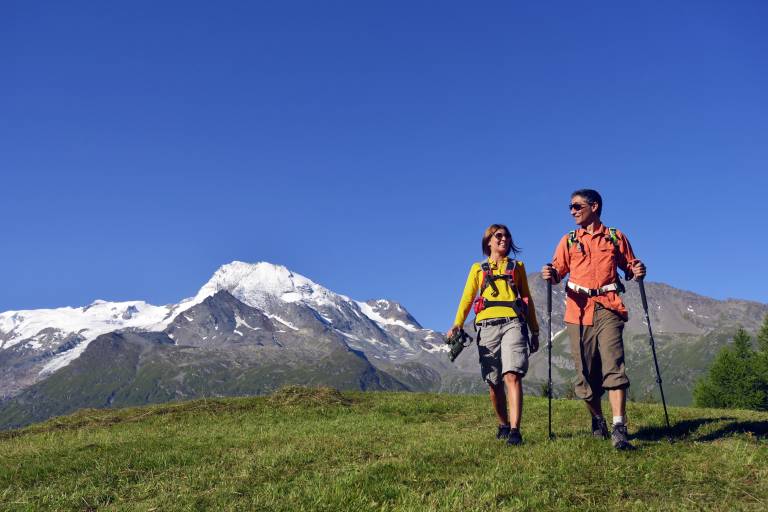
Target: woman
(498,288)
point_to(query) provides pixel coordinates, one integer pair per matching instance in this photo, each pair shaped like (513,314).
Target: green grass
(321,450)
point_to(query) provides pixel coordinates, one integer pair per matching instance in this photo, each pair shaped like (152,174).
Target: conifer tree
(762,337)
(761,358)
(735,378)
(742,345)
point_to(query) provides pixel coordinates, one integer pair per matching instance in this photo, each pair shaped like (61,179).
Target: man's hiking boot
(600,428)
(503,432)
(514,438)
(619,438)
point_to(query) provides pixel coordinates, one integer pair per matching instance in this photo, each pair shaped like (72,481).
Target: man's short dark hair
(592,197)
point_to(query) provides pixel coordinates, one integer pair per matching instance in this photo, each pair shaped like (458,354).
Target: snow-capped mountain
(36,343)
(89,321)
(377,327)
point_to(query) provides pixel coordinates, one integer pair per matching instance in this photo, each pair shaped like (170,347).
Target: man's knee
(512,378)
(619,387)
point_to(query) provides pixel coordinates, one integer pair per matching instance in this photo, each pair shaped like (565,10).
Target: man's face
(583,212)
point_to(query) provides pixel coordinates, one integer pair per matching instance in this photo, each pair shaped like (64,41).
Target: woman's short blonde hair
(492,229)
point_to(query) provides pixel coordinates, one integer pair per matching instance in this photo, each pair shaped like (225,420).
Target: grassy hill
(322,450)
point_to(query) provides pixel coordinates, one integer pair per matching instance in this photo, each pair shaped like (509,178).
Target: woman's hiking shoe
(503,432)
(600,428)
(514,438)
(619,438)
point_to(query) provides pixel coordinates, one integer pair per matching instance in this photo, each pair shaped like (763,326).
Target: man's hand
(548,273)
(638,270)
(534,343)
(453,330)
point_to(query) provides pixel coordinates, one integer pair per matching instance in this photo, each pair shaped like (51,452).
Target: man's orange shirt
(591,261)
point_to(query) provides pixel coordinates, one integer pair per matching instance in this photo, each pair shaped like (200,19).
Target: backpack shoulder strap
(488,279)
(614,237)
(511,273)
(486,270)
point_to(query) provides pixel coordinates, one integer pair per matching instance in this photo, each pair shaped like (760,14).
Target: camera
(457,343)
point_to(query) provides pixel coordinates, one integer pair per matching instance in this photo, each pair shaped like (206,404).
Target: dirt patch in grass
(309,396)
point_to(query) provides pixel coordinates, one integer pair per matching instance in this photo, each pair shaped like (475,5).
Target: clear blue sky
(367,145)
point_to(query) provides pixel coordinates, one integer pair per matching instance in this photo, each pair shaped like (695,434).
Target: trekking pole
(549,354)
(653,351)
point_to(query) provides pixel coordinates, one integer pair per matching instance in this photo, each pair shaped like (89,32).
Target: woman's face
(499,242)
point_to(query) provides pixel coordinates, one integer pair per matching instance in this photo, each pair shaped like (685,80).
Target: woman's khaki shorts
(598,352)
(502,348)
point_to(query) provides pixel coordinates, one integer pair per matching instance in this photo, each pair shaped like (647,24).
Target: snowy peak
(256,283)
(97,318)
(390,313)
(66,332)
(52,338)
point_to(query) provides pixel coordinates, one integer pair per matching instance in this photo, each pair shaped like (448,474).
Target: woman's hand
(453,330)
(534,343)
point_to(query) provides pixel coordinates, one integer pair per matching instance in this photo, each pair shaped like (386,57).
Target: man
(594,312)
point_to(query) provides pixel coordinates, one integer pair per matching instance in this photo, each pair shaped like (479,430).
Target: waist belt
(519,306)
(593,292)
(496,321)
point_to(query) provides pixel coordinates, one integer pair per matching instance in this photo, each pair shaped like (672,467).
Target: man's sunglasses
(576,206)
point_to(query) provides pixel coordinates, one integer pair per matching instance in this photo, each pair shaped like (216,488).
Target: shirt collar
(496,265)
(600,230)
